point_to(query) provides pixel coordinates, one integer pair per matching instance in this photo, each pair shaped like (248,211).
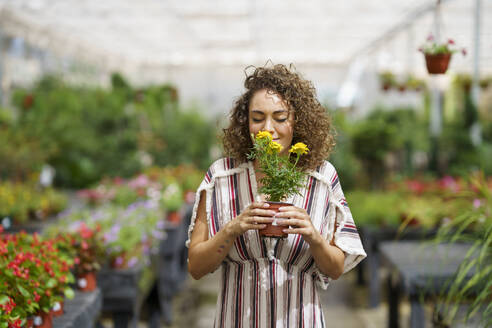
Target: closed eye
(280,120)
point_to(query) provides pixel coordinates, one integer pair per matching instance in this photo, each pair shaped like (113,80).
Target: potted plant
(387,80)
(88,245)
(485,82)
(415,84)
(437,54)
(282,177)
(172,201)
(35,274)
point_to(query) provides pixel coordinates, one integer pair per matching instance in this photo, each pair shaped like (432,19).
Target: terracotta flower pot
(386,87)
(29,323)
(87,282)
(43,320)
(271,229)
(57,309)
(437,64)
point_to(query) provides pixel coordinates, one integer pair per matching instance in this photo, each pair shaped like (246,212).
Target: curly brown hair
(312,124)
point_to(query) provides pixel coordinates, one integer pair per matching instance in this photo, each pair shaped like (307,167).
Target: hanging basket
(437,64)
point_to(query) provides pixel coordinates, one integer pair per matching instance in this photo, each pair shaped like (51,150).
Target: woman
(267,282)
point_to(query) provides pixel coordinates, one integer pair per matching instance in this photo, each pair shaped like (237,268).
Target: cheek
(288,131)
(253,128)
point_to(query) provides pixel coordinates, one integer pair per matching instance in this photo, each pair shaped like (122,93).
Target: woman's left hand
(299,221)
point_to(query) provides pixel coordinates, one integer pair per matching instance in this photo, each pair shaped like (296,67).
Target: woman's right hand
(255,216)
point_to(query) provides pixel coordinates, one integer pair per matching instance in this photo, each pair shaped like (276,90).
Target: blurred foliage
(27,201)
(343,157)
(86,133)
(374,208)
(396,141)
(423,202)
(472,225)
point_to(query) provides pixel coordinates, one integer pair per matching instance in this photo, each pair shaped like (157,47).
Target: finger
(301,231)
(261,219)
(257,219)
(261,212)
(287,208)
(293,214)
(293,222)
(254,226)
(292,208)
(258,205)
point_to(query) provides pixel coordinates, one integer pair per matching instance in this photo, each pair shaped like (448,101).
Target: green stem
(297,159)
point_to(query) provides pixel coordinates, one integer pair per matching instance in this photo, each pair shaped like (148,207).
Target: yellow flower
(299,148)
(264,135)
(274,148)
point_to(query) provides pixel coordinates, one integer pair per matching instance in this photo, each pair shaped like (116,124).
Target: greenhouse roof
(129,35)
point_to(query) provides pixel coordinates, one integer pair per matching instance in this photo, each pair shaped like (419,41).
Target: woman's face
(269,112)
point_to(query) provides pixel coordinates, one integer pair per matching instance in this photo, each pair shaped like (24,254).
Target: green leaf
(23,291)
(3,299)
(69,293)
(51,283)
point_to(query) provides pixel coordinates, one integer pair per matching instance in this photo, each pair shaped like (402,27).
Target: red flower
(15,324)
(37,297)
(84,231)
(450,41)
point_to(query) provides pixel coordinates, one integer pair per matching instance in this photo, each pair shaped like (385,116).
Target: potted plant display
(282,178)
(387,80)
(88,244)
(172,201)
(437,54)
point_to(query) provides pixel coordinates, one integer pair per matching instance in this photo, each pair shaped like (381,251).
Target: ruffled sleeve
(341,224)
(207,185)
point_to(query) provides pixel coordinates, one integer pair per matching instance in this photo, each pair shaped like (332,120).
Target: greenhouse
(144,146)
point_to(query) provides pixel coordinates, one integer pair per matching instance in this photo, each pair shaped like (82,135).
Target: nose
(269,126)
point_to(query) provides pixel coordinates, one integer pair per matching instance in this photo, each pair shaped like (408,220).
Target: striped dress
(268,282)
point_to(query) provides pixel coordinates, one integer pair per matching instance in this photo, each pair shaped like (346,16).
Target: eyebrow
(275,112)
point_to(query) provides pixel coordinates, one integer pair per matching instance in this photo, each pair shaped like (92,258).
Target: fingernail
(266,205)
(281,208)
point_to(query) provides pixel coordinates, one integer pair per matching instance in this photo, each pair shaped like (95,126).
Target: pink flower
(430,37)
(463,51)
(450,41)
(477,203)
(119,261)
